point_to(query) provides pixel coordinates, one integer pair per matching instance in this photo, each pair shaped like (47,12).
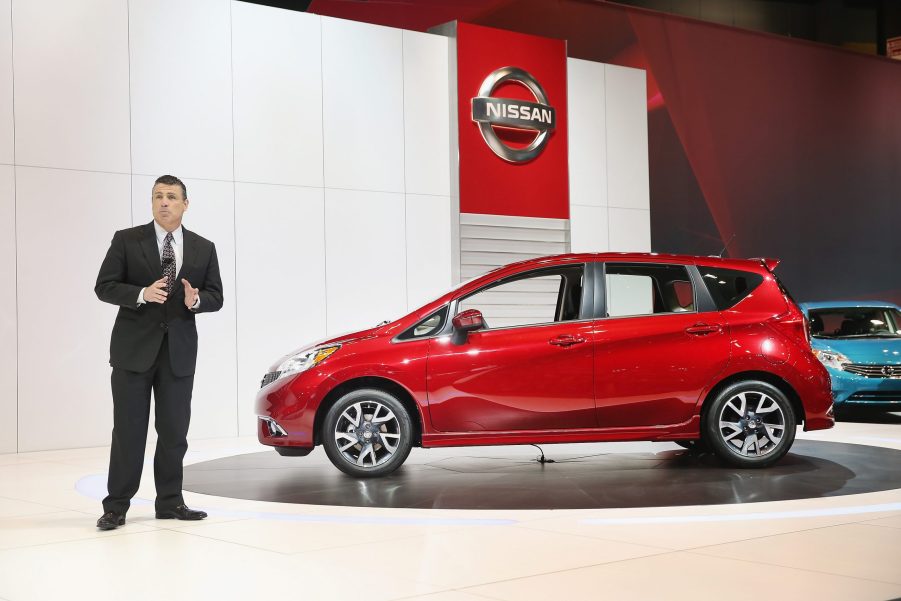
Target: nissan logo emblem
(538,116)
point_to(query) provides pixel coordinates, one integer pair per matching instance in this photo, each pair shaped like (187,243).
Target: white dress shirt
(177,250)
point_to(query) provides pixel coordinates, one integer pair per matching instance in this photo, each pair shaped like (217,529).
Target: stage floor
(612,475)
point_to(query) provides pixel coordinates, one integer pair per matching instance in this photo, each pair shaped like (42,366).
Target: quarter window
(543,296)
(728,286)
(647,289)
(429,326)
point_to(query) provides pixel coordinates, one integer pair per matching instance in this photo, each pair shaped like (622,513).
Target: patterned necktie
(169,265)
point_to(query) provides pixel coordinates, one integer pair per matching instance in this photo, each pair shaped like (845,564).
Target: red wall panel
(489,184)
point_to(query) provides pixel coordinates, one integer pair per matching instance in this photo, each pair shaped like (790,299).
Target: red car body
(591,379)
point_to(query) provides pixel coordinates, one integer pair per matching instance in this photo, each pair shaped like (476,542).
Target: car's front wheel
(367,433)
(750,424)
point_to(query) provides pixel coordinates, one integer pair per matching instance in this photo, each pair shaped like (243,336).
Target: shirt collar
(161,234)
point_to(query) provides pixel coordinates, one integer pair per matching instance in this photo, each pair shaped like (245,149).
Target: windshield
(466,281)
(855,322)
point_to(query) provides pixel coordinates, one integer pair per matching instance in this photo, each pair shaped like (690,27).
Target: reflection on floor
(669,546)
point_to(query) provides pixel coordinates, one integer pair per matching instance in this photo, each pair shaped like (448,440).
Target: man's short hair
(171,180)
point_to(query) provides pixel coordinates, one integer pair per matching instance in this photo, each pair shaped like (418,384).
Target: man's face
(168,205)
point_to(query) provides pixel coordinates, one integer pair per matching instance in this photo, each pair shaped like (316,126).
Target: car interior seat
(816,325)
(851,327)
(572,300)
(678,296)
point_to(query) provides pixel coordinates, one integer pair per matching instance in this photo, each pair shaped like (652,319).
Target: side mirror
(465,322)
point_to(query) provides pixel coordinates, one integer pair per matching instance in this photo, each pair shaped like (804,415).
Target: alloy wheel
(752,423)
(367,434)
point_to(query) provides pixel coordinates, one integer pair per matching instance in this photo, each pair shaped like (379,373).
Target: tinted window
(728,286)
(542,296)
(643,289)
(429,326)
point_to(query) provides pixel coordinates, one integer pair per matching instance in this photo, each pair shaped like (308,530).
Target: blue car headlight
(832,359)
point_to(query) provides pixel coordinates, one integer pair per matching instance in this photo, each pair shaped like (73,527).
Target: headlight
(832,359)
(302,361)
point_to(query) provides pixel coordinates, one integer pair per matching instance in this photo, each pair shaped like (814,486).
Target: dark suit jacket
(133,262)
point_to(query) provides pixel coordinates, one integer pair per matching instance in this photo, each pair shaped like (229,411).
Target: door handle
(702,329)
(566,340)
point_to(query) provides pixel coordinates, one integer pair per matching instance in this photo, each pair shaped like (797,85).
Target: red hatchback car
(569,348)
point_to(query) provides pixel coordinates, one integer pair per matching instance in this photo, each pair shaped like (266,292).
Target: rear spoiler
(770,265)
(767,262)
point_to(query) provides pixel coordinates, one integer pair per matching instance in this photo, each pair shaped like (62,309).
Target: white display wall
(608,158)
(315,152)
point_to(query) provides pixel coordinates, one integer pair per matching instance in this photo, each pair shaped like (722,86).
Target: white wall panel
(7,141)
(426,107)
(363,106)
(280,281)
(627,138)
(587,133)
(365,258)
(343,213)
(428,233)
(278,95)
(181,91)
(8,351)
(71,84)
(588,229)
(211,214)
(64,223)
(630,230)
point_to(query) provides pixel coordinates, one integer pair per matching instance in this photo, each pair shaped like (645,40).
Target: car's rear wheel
(367,433)
(750,424)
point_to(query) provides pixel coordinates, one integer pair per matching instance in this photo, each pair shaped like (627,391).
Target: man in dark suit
(150,272)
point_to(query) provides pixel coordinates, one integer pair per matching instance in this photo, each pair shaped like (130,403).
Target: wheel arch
(379,383)
(764,376)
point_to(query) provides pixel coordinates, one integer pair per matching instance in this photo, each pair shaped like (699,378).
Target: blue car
(860,344)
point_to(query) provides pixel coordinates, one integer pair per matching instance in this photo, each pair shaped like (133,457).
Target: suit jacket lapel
(151,251)
(188,251)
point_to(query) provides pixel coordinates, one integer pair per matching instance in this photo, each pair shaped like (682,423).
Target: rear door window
(647,289)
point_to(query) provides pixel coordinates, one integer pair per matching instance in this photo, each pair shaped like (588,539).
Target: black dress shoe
(111,520)
(181,512)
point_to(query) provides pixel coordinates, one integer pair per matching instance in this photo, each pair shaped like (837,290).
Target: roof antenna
(727,246)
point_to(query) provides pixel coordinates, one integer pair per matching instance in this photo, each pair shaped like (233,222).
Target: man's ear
(186,204)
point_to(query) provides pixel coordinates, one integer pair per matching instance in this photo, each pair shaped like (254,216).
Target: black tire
(750,424)
(356,417)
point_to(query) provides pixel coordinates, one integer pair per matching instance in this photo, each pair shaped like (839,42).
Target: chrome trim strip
(888,372)
(275,430)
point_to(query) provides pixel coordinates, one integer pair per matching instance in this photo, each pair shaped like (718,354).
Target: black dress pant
(131,415)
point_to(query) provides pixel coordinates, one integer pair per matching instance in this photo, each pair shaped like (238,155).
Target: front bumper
(286,412)
(852,390)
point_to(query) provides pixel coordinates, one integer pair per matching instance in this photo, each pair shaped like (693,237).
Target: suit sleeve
(211,293)
(111,286)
